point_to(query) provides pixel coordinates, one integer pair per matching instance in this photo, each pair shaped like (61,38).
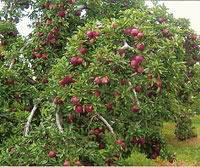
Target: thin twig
(80,7)
(29,120)
(106,123)
(90,122)
(31,81)
(58,123)
(5,117)
(12,63)
(135,94)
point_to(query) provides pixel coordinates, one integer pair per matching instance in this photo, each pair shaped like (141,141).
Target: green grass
(187,152)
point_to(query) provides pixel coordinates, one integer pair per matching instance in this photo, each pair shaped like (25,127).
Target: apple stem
(126,46)
(58,123)
(29,120)
(90,122)
(106,123)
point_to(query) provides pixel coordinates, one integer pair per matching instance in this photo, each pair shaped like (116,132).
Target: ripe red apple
(77,162)
(113,24)
(17,96)
(139,59)
(37,49)
(55,101)
(159,84)
(171,160)
(140,46)
(140,35)
(75,100)
(117,155)
(12,150)
(134,63)
(134,141)
(61,14)
(101,146)
(79,60)
(97,80)
(170,37)
(97,93)
(194,37)
(96,33)
(82,50)
(89,34)
(134,109)
(116,94)
(125,4)
(109,107)
(89,108)
(127,31)
(74,60)
(48,23)
(186,44)
(157,149)
(45,80)
(28,108)
(79,109)
(160,19)
(138,89)
(134,32)
(66,163)
(92,40)
(165,32)
(142,141)
(121,52)
(105,80)
(154,156)
(52,154)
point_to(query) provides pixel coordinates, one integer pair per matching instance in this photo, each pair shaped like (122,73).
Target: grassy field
(187,152)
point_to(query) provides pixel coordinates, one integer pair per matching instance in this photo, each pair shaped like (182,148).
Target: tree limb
(12,63)
(126,46)
(58,123)
(106,123)
(31,81)
(135,94)
(29,120)
(90,122)
(5,117)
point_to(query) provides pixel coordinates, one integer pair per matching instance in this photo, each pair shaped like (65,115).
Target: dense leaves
(98,85)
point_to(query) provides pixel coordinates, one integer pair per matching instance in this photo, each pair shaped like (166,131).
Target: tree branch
(29,120)
(135,94)
(90,122)
(12,63)
(126,46)
(5,117)
(58,123)
(31,81)
(106,123)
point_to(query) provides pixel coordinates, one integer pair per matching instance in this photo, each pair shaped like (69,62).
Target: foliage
(98,86)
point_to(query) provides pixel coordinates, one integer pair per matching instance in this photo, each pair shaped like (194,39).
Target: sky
(180,9)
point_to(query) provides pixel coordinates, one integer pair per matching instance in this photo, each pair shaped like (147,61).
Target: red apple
(52,154)
(140,35)
(17,96)
(138,89)
(165,32)
(101,146)
(134,32)
(89,108)
(89,34)
(55,101)
(160,19)
(171,160)
(75,100)
(82,50)
(66,163)
(105,80)
(134,141)
(134,109)
(79,60)
(97,80)
(79,109)
(139,59)
(97,93)
(74,60)
(134,63)
(154,156)
(96,33)
(157,149)
(127,31)
(109,107)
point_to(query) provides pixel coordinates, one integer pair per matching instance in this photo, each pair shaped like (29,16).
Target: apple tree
(94,81)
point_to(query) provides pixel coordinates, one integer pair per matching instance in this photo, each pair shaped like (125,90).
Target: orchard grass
(187,152)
